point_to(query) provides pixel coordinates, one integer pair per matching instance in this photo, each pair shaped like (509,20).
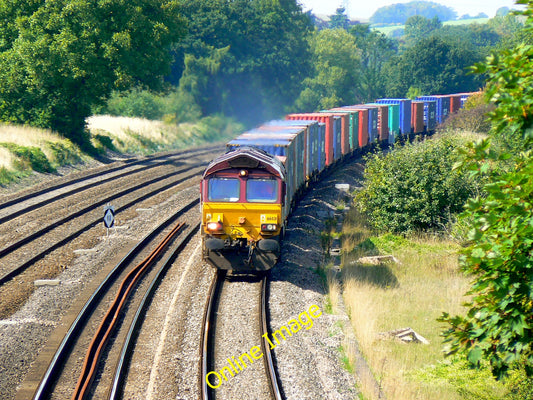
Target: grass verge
(24,150)
(385,296)
(143,136)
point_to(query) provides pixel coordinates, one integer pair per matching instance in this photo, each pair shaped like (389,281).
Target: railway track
(117,308)
(18,205)
(220,379)
(25,251)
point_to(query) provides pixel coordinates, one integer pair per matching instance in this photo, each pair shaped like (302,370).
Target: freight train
(248,192)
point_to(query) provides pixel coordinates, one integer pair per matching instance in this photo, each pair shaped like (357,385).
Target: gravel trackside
(165,363)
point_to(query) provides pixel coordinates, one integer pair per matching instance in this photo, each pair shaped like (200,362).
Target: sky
(364,9)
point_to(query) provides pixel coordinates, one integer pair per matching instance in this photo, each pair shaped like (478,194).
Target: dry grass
(26,136)
(24,148)
(334,291)
(139,135)
(6,158)
(389,296)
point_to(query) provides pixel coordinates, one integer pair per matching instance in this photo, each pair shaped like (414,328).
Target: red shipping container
(345,130)
(455,103)
(417,116)
(326,119)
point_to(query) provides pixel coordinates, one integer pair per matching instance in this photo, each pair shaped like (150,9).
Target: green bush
(469,383)
(29,157)
(174,107)
(414,188)
(64,153)
(499,324)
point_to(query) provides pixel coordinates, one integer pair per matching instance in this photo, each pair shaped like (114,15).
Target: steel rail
(108,323)
(40,204)
(207,338)
(135,325)
(10,248)
(126,164)
(19,269)
(273,380)
(61,354)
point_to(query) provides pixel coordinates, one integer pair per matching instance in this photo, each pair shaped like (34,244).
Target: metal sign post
(109,217)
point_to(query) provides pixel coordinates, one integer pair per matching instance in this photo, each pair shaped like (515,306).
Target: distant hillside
(388,30)
(399,13)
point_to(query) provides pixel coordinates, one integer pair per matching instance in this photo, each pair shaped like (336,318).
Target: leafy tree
(336,77)
(339,20)
(243,58)
(418,27)
(58,59)
(510,27)
(433,65)
(502,11)
(499,324)
(482,37)
(413,188)
(376,49)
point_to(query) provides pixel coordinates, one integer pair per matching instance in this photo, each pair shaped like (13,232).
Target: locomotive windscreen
(261,190)
(223,189)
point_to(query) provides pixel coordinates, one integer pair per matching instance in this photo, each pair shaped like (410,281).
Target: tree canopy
(433,65)
(335,79)
(499,324)
(58,59)
(243,58)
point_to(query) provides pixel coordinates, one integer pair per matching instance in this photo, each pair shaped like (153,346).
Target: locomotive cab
(243,196)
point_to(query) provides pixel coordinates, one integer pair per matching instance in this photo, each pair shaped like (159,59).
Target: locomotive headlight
(215,226)
(269,227)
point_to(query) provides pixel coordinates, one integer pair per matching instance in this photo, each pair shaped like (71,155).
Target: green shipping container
(394,122)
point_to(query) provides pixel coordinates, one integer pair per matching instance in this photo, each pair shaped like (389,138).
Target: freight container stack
(442,106)
(337,138)
(311,141)
(455,103)
(327,120)
(430,115)
(372,120)
(353,127)
(296,134)
(383,121)
(394,122)
(405,113)
(321,146)
(273,142)
(362,136)
(347,127)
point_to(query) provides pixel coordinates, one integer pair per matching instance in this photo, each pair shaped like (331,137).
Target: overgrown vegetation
(493,332)
(386,296)
(413,188)
(24,150)
(498,327)
(143,136)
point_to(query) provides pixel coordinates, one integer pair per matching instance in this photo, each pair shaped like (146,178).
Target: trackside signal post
(109,217)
